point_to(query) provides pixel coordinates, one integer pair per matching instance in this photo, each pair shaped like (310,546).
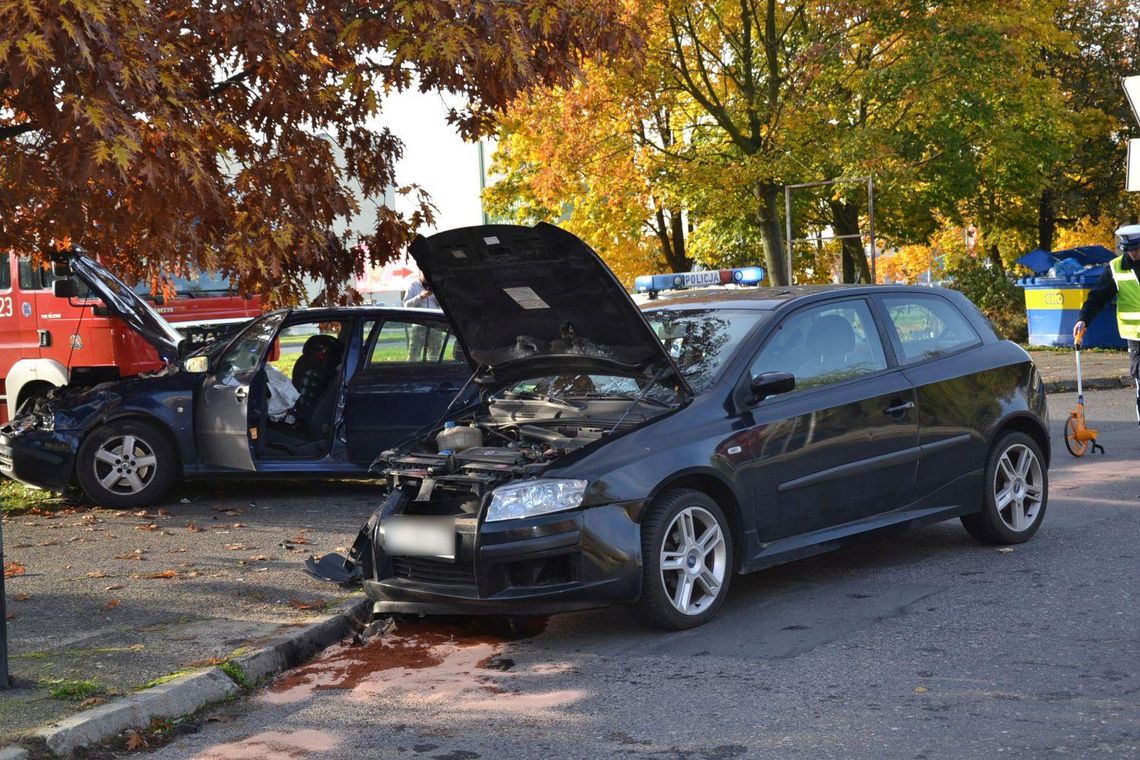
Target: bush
(995,294)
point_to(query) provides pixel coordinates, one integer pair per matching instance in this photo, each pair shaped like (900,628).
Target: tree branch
(15,130)
(219,87)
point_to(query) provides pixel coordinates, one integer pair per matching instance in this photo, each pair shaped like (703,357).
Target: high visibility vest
(1127,300)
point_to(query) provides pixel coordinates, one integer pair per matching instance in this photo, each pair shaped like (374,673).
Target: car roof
(332,312)
(765,298)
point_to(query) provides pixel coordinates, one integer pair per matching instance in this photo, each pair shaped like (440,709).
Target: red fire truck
(47,341)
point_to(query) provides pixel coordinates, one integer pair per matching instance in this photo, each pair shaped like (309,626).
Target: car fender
(171,414)
(27,371)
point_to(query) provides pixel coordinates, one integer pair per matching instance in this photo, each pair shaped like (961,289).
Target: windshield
(202,284)
(699,340)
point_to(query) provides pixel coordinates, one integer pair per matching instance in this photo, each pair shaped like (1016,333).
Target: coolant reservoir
(458,437)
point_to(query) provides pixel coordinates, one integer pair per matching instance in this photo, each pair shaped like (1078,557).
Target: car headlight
(534,497)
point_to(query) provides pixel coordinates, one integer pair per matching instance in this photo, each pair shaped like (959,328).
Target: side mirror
(64,289)
(770,384)
(196,364)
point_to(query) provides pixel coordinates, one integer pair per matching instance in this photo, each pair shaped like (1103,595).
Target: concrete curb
(180,696)
(1091,384)
(190,693)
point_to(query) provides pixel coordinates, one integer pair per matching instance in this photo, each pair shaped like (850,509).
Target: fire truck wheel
(126,464)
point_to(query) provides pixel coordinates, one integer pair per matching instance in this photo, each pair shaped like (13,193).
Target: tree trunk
(1046,219)
(994,256)
(670,234)
(768,217)
(845,221)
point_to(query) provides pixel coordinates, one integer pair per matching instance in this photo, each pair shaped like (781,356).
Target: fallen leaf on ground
(206,663)
(111,604)
(299,539)
(48,543)
(136,554)
(134,741)
(919,689)
(239,547)
(315,604)
(114,587)
(97,574)
(13,568)
(178,551)
(148,526)
(22,597)
(171,573)
(239,525)
(23,546)
(91,702)
(194,528)
(231,511)
(164,512)
(142,513)
(10,615)
(259,558)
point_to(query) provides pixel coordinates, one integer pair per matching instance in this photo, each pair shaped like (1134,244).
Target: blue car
(296,392)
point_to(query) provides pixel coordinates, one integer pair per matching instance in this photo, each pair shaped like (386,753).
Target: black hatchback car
(296,392)
(646,457)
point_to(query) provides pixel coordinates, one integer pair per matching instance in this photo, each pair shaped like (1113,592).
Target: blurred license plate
(419,536)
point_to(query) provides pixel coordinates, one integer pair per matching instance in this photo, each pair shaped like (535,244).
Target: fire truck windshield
(205,284)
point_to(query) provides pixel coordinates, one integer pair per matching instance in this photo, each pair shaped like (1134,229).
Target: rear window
(927,327)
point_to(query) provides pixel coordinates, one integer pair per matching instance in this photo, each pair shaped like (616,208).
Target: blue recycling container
(1053,305)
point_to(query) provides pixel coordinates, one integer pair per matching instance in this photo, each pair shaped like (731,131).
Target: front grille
(434,571)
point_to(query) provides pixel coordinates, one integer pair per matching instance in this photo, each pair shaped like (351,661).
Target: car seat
(829,340)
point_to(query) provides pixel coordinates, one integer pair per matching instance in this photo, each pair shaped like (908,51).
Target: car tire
(1015,492)
(676,531)
(138,453)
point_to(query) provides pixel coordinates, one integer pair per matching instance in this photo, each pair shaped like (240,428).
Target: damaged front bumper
(573,560)
(41,458)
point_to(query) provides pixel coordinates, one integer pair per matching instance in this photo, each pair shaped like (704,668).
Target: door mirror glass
(197,364)
(64,289)
(771,384)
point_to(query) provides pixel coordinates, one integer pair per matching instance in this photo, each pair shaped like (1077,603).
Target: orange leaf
(136,554)
(315,604)
(134,741)
(13,568)
(149,526)
(164,512)
(194,528)
(111,604)
(171,573)
(97,574)
(22,597)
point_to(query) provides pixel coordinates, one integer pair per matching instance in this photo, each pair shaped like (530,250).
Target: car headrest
(324,347)
(831,335)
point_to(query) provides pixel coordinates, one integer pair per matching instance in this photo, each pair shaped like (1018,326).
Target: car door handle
(241,393)
(897,410)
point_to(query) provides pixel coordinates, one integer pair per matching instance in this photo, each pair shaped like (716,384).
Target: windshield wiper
(639,398)
(531,396)
(626,397)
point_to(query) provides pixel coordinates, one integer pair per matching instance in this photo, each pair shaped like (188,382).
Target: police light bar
(654,283)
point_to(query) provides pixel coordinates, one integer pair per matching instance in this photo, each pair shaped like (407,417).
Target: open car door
(228,408)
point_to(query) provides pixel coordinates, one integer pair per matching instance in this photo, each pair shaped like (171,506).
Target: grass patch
(165,679)
(17,498)
(236,674)
(73,690)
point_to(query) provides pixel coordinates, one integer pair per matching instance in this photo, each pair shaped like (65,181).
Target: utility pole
(5,681)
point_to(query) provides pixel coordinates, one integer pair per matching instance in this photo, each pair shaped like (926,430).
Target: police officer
(1120,279)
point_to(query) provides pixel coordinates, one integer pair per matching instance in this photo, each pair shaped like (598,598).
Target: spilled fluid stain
(274,745)
(459,664)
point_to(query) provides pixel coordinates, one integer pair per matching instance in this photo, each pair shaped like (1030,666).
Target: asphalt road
(925,646)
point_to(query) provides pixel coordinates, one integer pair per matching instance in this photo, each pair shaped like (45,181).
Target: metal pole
(482,184)
(5,682)
(871,221)
(788,226)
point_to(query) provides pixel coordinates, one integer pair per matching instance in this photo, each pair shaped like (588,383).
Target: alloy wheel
(1018,487)
(124,464)
(694,558)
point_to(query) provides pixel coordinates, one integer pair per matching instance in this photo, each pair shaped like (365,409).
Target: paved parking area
(106,601)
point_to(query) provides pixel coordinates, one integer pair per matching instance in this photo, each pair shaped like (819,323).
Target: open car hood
(529,301)
(125,304)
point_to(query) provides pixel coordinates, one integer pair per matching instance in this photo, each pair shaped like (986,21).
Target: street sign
(1132,90)
(1132,183)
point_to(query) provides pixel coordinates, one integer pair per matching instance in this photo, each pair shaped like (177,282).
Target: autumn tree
(200,133)
(592,156)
